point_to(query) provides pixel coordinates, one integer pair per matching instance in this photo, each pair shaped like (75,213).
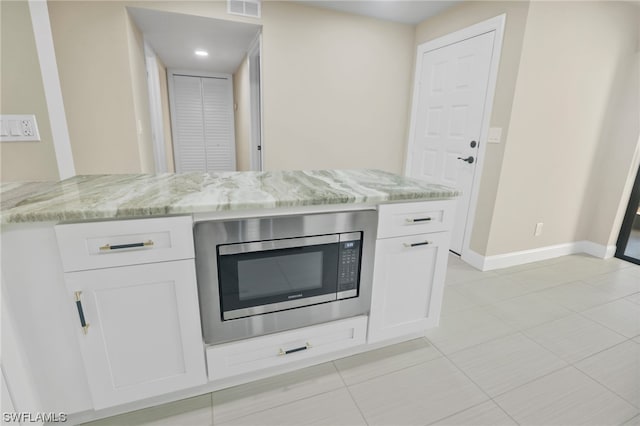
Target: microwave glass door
(268,276)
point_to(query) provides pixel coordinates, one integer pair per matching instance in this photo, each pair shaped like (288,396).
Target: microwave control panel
(348,267)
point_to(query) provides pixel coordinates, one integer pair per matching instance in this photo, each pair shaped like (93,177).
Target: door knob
(469,159)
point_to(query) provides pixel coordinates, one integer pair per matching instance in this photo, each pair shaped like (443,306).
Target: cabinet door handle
(423,243)
(83,322)
(294,350)
(106,247)
(418,219)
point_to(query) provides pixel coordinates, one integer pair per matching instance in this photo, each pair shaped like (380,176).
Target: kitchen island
(99,286)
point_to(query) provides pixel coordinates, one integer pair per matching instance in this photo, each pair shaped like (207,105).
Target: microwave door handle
(256,246)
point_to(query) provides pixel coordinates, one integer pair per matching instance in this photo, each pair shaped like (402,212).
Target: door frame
(257,117)
(495,24)
(155,108)
(171,72)
(627,223)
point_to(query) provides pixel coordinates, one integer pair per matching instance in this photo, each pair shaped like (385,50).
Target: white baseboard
(488,263)
(474,259)
(598,250)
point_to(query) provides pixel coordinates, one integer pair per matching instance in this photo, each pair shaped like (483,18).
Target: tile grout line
(568,364)
(289,402)
(584,358)
(350,394)
(469,408)
(579,371)
(481,389)
(530,381)
(604,385)
(425,362)
(610,390)
(605,325)
(515,329)
(581,359)
(630,418)
(485,307)
(442,355)
(212,415)
(394,371)
(281,405)
(493,339)
(555,371)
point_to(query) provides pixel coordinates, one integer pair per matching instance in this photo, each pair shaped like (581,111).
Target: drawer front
(231,359)
(397,220)
(96,245)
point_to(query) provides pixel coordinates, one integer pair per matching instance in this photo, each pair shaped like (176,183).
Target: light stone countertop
(13,193)
(92,197)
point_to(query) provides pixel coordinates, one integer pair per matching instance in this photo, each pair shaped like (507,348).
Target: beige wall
(335,85)
(462,16)
(23,161)
(618,155)
(572,54)
(92,51)
(242,102)
(336,89)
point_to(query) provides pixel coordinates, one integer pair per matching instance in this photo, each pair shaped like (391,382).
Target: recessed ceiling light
(200,52)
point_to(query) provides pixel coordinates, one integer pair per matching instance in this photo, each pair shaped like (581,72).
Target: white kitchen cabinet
(409,269)
(142,335)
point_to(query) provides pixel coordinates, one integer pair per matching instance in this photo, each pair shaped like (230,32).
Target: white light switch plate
(18,128)
(495,134)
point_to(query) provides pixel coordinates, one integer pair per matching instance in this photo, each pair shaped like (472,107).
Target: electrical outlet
(538,230)
(17,128)
(27,128)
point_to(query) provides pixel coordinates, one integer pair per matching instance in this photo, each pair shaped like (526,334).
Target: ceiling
(174,37)
(404,11)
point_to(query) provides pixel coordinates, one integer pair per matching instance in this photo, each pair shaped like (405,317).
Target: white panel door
(203,123)
(453,83)
(143,335)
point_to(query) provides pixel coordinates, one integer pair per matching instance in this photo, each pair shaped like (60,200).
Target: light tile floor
(550,343)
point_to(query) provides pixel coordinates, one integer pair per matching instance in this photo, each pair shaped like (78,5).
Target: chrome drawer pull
(83,322)
(290,351)
(424,243)
(419,219)
(126,246)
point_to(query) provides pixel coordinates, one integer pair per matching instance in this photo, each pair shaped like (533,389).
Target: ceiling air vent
(250,8)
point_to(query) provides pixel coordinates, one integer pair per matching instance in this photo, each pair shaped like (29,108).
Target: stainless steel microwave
(259,276)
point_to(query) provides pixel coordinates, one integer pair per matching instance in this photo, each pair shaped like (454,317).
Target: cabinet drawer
(125,242)
(273,350)
(396,220)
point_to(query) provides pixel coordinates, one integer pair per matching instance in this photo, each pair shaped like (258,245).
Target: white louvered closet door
(203,124)
(217,100)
